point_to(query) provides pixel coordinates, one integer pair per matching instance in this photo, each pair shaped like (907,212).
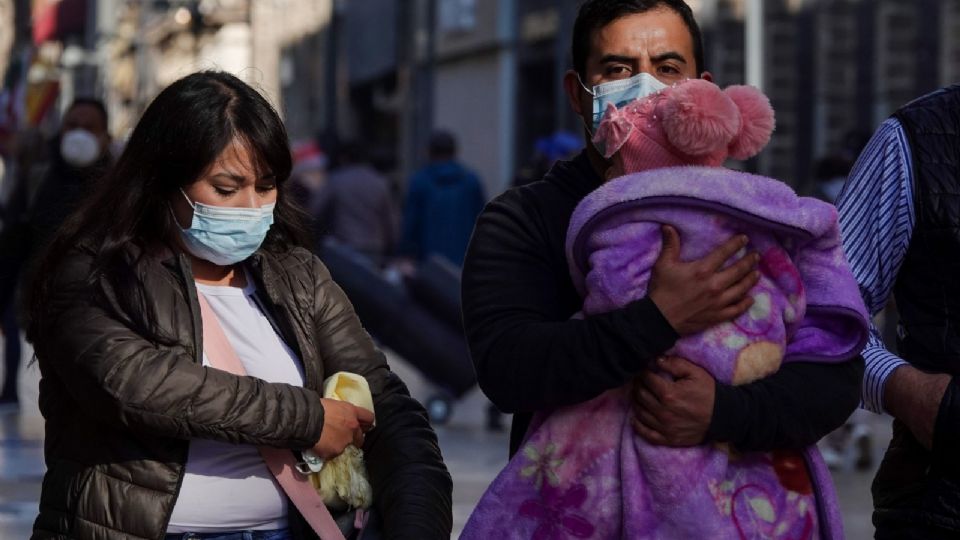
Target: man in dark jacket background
(518,297)
(79,155)
(443,202)
(356,206)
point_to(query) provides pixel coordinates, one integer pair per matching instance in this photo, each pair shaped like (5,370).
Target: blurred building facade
(387,72)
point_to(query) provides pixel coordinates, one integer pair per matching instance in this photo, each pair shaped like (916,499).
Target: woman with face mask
(184,269)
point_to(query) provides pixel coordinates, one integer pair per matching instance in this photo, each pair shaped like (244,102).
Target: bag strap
(280,461)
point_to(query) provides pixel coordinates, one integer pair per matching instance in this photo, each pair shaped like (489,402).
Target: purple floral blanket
(583,473)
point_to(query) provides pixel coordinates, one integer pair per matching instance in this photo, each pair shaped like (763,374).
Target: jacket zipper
(193,304)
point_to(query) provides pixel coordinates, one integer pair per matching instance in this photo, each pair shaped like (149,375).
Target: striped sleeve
(877,219)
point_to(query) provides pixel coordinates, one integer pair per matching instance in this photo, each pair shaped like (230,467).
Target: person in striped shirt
(900,218)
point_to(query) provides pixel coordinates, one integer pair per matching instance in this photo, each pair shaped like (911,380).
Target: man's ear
(571,84)
(707,76)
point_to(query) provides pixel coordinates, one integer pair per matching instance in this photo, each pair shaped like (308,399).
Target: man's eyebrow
(611,58)
(669,55)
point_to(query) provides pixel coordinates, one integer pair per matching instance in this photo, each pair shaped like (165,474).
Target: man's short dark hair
(595,14)
(96,104)
(443,145)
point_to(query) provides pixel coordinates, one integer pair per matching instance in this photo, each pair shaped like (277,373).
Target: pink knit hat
(690,123)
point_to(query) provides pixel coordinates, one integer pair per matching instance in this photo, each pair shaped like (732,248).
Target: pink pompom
(698,118)
(757,121)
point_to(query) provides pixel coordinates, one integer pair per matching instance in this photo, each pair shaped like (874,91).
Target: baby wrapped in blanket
(582,472)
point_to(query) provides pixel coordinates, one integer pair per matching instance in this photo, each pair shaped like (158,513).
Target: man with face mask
(80,154)
(519,299)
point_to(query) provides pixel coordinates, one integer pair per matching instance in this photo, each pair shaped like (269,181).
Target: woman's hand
(674,412)
(343,425)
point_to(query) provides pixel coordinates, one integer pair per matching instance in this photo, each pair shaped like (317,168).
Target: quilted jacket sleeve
(412,488)
(125,380)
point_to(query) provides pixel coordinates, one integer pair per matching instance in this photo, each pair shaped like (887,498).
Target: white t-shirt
(227,487)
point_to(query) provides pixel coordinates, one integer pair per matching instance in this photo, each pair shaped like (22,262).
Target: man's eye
(618,71)
(669,70)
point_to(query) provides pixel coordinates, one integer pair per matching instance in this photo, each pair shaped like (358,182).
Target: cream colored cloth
(342,481)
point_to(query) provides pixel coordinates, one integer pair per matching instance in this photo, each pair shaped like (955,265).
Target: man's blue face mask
(619,93)
(226,236)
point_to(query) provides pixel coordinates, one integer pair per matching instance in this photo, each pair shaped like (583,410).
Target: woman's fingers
(358,438)
(365,418)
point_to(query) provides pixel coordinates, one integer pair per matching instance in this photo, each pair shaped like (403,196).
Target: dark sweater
(530,356)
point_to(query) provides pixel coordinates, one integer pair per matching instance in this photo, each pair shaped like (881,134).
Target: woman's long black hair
(180,135)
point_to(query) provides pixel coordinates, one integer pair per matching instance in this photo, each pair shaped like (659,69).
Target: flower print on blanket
(583,473)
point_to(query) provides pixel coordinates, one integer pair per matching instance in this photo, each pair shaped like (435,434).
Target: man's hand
(343,425)
(696,295)
(674,412)
(914,397)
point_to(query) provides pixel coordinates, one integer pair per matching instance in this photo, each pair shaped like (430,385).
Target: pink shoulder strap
(281,462)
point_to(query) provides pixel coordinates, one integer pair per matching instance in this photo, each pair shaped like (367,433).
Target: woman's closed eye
(224,191)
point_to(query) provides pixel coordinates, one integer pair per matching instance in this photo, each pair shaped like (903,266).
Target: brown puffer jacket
(119,409)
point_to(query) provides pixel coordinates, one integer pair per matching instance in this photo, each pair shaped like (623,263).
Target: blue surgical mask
(620,93)
(226,236)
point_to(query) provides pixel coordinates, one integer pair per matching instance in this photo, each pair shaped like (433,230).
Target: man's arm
(876,221)
(781,411)
(877,218)
(530,356)
(776,412)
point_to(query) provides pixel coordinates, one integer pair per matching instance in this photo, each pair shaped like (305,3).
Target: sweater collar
(578,171)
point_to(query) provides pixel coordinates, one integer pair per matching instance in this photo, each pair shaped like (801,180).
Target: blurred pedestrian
(443,201)
(547,150)
(309,174)
(79,156)
(26,167)
(356,208)
(144,438)
(900,216)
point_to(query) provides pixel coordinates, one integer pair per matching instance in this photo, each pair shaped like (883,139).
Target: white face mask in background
(79,148)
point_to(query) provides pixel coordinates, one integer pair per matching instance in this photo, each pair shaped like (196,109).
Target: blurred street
(473,455)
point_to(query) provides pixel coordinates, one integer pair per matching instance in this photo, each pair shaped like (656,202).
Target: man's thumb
(670,249)
(678,368)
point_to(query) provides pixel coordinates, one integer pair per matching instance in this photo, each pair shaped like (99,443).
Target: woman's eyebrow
(238,178)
